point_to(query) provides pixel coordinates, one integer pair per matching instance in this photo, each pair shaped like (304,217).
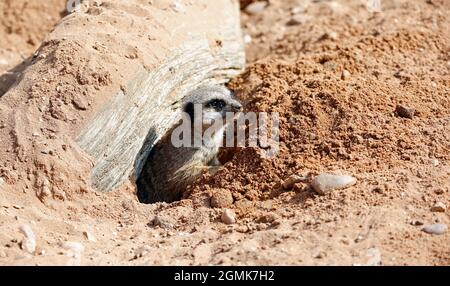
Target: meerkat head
(215,102)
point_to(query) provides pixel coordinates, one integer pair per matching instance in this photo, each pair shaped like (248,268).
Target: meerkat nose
(236,107)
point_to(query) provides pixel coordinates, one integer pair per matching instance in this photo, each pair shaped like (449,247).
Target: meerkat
(169,169)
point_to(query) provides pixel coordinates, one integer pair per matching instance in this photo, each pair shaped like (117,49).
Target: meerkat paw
(213,169)
(215,162)
(208,169)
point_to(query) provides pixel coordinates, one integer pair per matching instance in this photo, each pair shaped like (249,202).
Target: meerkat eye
(217,104)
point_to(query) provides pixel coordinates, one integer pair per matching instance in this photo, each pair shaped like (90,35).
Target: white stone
(179,7)
(345,75)
(374,257)
(74,249)
(256,7)
(298,19)
(89,236)
(228,217)
(435,162)
(247,39)
(438,229)
(291,181)
(324,183)
(29,242)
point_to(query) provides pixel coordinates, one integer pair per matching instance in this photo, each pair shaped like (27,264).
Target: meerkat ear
(189,109)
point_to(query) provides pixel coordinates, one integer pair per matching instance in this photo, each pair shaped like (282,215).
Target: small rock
(29,242)
(297,10)
(439,207)
(374,257)
(416,222)
(329,36)
(438,229)
(178,7)
(89,236)
(74,249)
(228,217)
(142,251)
(3,62)
(222,199)
(292,180)
(256,7)
(320,255)
(345,75)
(163,222)
(435,162)
(80,103)
(324,183)
(405,112)
(248,39)
(298,19)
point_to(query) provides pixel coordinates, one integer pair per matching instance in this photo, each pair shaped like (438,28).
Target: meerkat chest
(218,138)
(211,145)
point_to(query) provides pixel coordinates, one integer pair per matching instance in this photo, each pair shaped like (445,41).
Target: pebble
(162,222)
(439,207)
(248,39)
(374,257)
(256,7)
(29,242)
(178,7)
(89,236)
(345,75)
(324,183)
(142,251)
(222,199)
(435,162)
(3,62)
(292,180)
(416,222)
(298,19)
(438,228)
(228,217)
(405,112)
(320,255)
(297,10)
(3,254)
(74,249)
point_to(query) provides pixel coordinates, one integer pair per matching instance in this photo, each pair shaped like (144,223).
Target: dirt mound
(23,25)
(330,120)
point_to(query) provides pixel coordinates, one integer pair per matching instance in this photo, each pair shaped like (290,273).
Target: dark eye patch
(217,104)
(189,109)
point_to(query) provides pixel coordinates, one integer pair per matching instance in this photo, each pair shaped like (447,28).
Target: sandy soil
(336,73)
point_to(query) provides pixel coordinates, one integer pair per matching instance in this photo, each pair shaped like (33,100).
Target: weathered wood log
(144,57)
